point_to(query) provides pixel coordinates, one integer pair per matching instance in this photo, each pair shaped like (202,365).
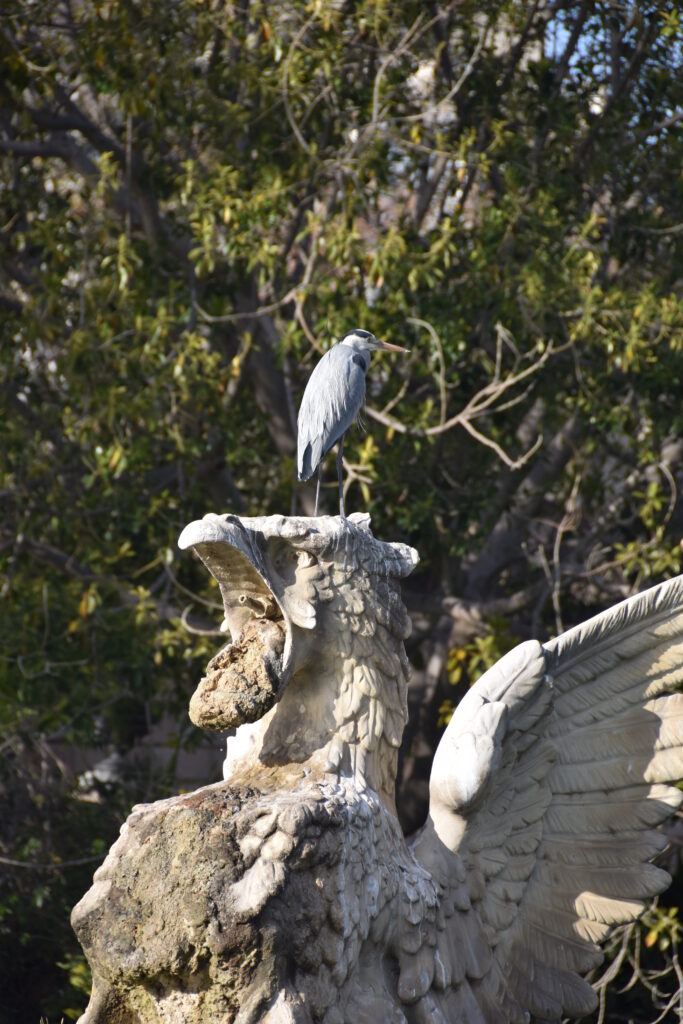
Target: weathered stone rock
(242,680)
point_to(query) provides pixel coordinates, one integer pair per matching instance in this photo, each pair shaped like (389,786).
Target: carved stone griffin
(287,892)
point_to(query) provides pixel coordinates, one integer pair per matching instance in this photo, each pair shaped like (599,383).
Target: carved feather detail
(567,790)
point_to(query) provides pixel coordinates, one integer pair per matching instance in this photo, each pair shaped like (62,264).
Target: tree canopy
(198,198)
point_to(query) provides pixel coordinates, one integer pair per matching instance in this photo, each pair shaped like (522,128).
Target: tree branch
(503,544)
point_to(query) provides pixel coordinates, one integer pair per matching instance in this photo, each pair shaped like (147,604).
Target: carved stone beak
(262,609)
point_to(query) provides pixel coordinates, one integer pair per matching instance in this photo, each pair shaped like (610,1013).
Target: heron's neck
(360,355)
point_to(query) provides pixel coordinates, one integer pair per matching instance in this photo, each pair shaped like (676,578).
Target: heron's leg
(340,475)
(317,489)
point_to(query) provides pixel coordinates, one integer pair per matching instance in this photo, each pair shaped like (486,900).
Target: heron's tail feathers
(309,456)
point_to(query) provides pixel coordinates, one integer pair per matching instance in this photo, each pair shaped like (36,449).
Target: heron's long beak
(386,347)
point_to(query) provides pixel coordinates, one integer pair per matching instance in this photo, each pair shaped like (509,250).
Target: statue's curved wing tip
(202,531)
(407,556)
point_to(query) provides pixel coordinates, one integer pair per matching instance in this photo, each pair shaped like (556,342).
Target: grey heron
(332,400)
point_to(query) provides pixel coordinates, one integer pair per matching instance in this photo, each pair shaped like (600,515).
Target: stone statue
(287,892)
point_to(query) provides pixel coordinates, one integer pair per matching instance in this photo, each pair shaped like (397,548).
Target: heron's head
(363,341)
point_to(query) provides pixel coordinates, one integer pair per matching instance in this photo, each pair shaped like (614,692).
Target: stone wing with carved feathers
(545,794)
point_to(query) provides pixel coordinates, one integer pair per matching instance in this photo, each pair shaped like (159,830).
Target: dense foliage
(197,198)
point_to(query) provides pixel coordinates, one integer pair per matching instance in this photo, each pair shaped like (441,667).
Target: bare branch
(489,394)
(518,49)
(63,562)
(218,605)
(639,54)
(572,42)
(251,314)
(442,363)
(505,539)
(569,521)
(197,630)
(674,230)
(483,401)
(49,865)
(433,109)
(285,84)
(61,148)
(393,424)
(512,463)
(390,59)
(662,126)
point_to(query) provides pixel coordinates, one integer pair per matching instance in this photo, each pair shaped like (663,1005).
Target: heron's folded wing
(333,397)
(548,786)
